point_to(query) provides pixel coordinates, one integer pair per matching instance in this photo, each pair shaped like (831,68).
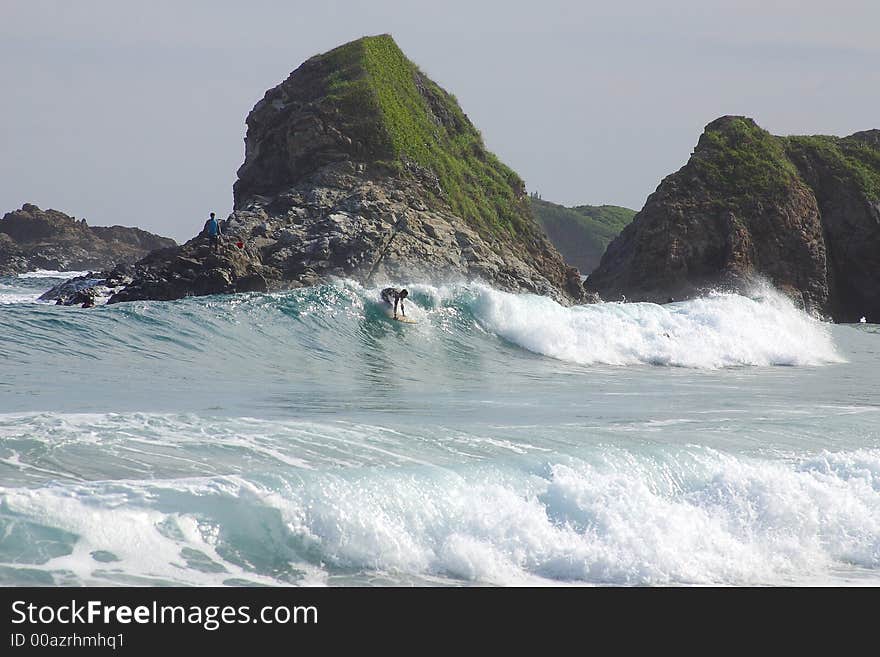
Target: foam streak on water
(52,273)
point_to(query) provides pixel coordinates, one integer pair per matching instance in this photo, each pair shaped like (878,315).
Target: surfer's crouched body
(393,295)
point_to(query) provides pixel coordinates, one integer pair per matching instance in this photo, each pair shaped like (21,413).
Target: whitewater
(302,438)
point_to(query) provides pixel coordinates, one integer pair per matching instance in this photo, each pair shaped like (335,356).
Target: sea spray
(684,516)
(719,330)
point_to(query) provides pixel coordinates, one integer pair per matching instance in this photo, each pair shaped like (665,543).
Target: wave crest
(719,330)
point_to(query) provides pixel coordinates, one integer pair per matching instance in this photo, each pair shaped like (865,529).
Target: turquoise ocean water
(303,438)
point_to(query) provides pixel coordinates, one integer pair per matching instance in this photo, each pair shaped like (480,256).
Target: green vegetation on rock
(583,232)
(846,157)
(801,212)
(407,122)
(740,161)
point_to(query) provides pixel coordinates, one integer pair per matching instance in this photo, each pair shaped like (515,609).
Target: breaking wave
(610,516)
(719,330)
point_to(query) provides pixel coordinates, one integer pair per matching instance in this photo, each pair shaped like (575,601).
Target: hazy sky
(133,112)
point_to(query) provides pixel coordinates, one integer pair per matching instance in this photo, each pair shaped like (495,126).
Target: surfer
(398,296)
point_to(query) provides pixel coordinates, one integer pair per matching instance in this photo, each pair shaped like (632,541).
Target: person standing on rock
(398,296)
(212,226)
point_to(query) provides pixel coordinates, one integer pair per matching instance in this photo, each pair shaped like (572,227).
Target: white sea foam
(621,517)
(714,331)
(52,273)
(10,296)
(24,292)
(719,330)
(699,517)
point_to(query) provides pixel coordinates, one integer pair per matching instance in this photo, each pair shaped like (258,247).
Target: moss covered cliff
(392,116)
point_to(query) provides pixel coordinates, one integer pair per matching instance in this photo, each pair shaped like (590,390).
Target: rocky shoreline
(32,239)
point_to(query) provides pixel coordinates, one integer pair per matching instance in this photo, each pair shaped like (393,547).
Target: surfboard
(400,318)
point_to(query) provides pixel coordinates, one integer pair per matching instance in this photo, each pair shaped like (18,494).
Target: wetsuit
(392,295)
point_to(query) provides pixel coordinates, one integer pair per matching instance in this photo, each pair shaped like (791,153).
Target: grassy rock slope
(583,232)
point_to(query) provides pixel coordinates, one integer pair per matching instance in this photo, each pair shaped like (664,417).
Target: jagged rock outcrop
(90,288)
(31,238)
(844,175)
(802,212)
(360,166)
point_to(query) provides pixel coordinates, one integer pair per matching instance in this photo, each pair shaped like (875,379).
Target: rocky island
(31,239)
(359,166)
(801,212)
